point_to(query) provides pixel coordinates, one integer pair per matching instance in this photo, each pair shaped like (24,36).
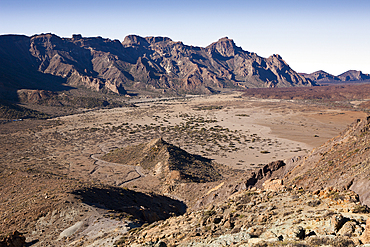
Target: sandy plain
(233,130)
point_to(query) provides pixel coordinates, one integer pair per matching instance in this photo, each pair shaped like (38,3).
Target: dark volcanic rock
(157,64)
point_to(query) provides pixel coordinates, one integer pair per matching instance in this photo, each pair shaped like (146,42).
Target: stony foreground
(288,217)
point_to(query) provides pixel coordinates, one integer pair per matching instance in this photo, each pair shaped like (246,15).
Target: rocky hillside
(256,218)
(349,76)
(9,112)
(342,162)
(354,75)
(166,162)
(150,64)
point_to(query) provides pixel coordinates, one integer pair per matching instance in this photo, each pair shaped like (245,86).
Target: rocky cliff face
(156,64)
(83,62)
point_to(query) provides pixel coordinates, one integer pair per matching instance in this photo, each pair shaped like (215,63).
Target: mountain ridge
(321,76)
(149,64)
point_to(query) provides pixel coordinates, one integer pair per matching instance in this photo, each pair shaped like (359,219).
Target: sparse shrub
(209,213)
(338,242)
(360,209)
(313,203)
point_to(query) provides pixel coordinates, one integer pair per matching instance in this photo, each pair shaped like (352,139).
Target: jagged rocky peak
(277,59)
(348,76)
(47,40)
(76,36)
(45,36)
(277,62)
(225,47)
(98,42)
(132,40)
(44,47)
(158,39)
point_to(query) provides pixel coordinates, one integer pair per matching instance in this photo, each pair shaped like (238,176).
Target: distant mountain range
(150,64)
(349,76)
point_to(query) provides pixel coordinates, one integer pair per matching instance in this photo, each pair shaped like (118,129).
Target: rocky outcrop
(166,162)
(266,172)
(34,96)
(273,184)
(289,216)
(267,175)
(155,64)
(83,62)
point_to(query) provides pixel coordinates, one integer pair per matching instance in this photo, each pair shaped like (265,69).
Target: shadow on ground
(132,204)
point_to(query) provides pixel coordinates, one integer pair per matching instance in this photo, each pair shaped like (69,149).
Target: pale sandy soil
(280,129)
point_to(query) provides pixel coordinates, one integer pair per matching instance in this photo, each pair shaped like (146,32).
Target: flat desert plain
(235,131)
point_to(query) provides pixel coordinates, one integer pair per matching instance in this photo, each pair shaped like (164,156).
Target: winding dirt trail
(101,167)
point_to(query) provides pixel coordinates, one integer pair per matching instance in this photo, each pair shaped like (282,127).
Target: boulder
(365,237)
(296,233)
(347,229)
(273,184)
(337,221)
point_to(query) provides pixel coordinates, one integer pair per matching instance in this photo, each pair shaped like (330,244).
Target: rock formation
(166,161)
(286,217)
(348,76)
(151,64)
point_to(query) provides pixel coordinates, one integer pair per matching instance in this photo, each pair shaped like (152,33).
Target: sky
(310,35)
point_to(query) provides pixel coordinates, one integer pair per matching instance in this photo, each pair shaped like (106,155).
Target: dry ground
(236,131)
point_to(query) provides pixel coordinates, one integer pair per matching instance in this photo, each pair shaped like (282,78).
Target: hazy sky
(332,35)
